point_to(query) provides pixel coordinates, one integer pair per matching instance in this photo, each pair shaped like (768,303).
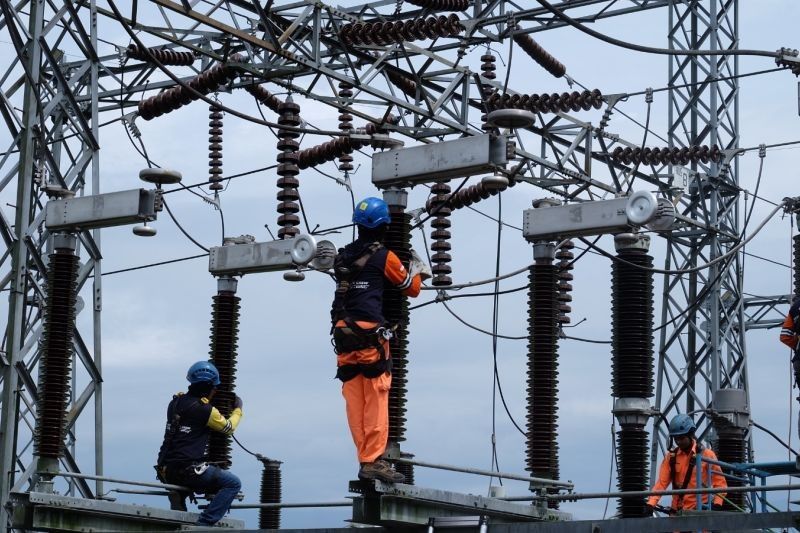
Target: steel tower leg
(15,330)
(702,350)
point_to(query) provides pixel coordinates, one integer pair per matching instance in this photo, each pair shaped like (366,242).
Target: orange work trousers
(367,403)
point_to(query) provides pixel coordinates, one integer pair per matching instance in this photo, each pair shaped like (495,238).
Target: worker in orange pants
(363,270)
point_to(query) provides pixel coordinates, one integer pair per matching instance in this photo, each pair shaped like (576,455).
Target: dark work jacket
(186,438)
(364,298)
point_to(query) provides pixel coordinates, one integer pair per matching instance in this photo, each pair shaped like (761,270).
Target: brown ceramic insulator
(264,96)
(441,5)
(542,383)
(564,256)
(176,97)
(440,211)
(665,156)
(214,147)
(395,310)
(488,69)
(330,150)
(540,55)
(346,126)
(548,103)
(400,31)
(224,341)
(163,56)
(56,350)
(796,262)
(404,83)
(288,169)
(270,518)
(465,197)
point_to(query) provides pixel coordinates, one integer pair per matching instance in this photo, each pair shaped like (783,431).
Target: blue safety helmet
(371,213)
(681,425)
(203,371)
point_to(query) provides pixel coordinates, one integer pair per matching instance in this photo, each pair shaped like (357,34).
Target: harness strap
(687,479)
(345,273)
(174,423)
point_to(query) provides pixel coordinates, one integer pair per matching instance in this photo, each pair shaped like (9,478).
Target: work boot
(177,500)
(380,470)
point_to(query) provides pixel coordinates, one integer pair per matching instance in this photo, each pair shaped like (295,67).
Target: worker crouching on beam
(678,466)
(181,459)
(363,270)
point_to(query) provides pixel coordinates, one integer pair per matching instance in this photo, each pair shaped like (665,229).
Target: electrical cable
(714,261)
(774,436)
(175,220)
(233,176)
(495,316)
(649,49)
(649,100)
(724,78)
(197,94)
(497,377)
(150,265)
(522,338)
(611,462)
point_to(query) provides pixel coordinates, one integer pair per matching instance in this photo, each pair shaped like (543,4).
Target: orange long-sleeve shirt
(682,460)
(790,326)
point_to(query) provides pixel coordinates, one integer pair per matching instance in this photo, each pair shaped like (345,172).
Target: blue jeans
(225,484)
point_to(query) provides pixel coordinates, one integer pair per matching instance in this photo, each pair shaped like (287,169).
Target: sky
(156,321)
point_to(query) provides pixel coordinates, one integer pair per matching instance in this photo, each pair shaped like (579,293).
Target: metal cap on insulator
(144,230)
(294,276)
(395,197)
(160,176)
(544,252)
(227,284)
(65,242)
(546,202)
(632,411)
(510,118)
(629,241)
(731,410)
(496,182)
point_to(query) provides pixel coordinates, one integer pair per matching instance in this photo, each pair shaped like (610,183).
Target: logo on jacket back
(362,285)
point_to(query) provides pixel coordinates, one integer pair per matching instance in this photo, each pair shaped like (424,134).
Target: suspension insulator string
(177,97)
(288,195)
(215,148)
(384,33)
(164,56)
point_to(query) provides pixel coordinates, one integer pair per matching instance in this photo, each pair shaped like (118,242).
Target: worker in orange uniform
(790,332)
(678,468)
(363,270)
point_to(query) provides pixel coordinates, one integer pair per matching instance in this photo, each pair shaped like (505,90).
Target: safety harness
(352,337)
(673,458)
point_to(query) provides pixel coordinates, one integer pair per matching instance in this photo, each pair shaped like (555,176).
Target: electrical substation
(443,109)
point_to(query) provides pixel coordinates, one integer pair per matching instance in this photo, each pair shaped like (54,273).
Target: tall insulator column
(731,419)
(632,365)
(270,518)
(345,126)
(224,340)
(215,148)
(440,211)
(565,258)
(288,196)
(56,353)
(542,390)
(395,311)
(796,257)
(488,69)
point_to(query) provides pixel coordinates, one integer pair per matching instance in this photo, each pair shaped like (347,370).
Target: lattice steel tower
(702,345)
